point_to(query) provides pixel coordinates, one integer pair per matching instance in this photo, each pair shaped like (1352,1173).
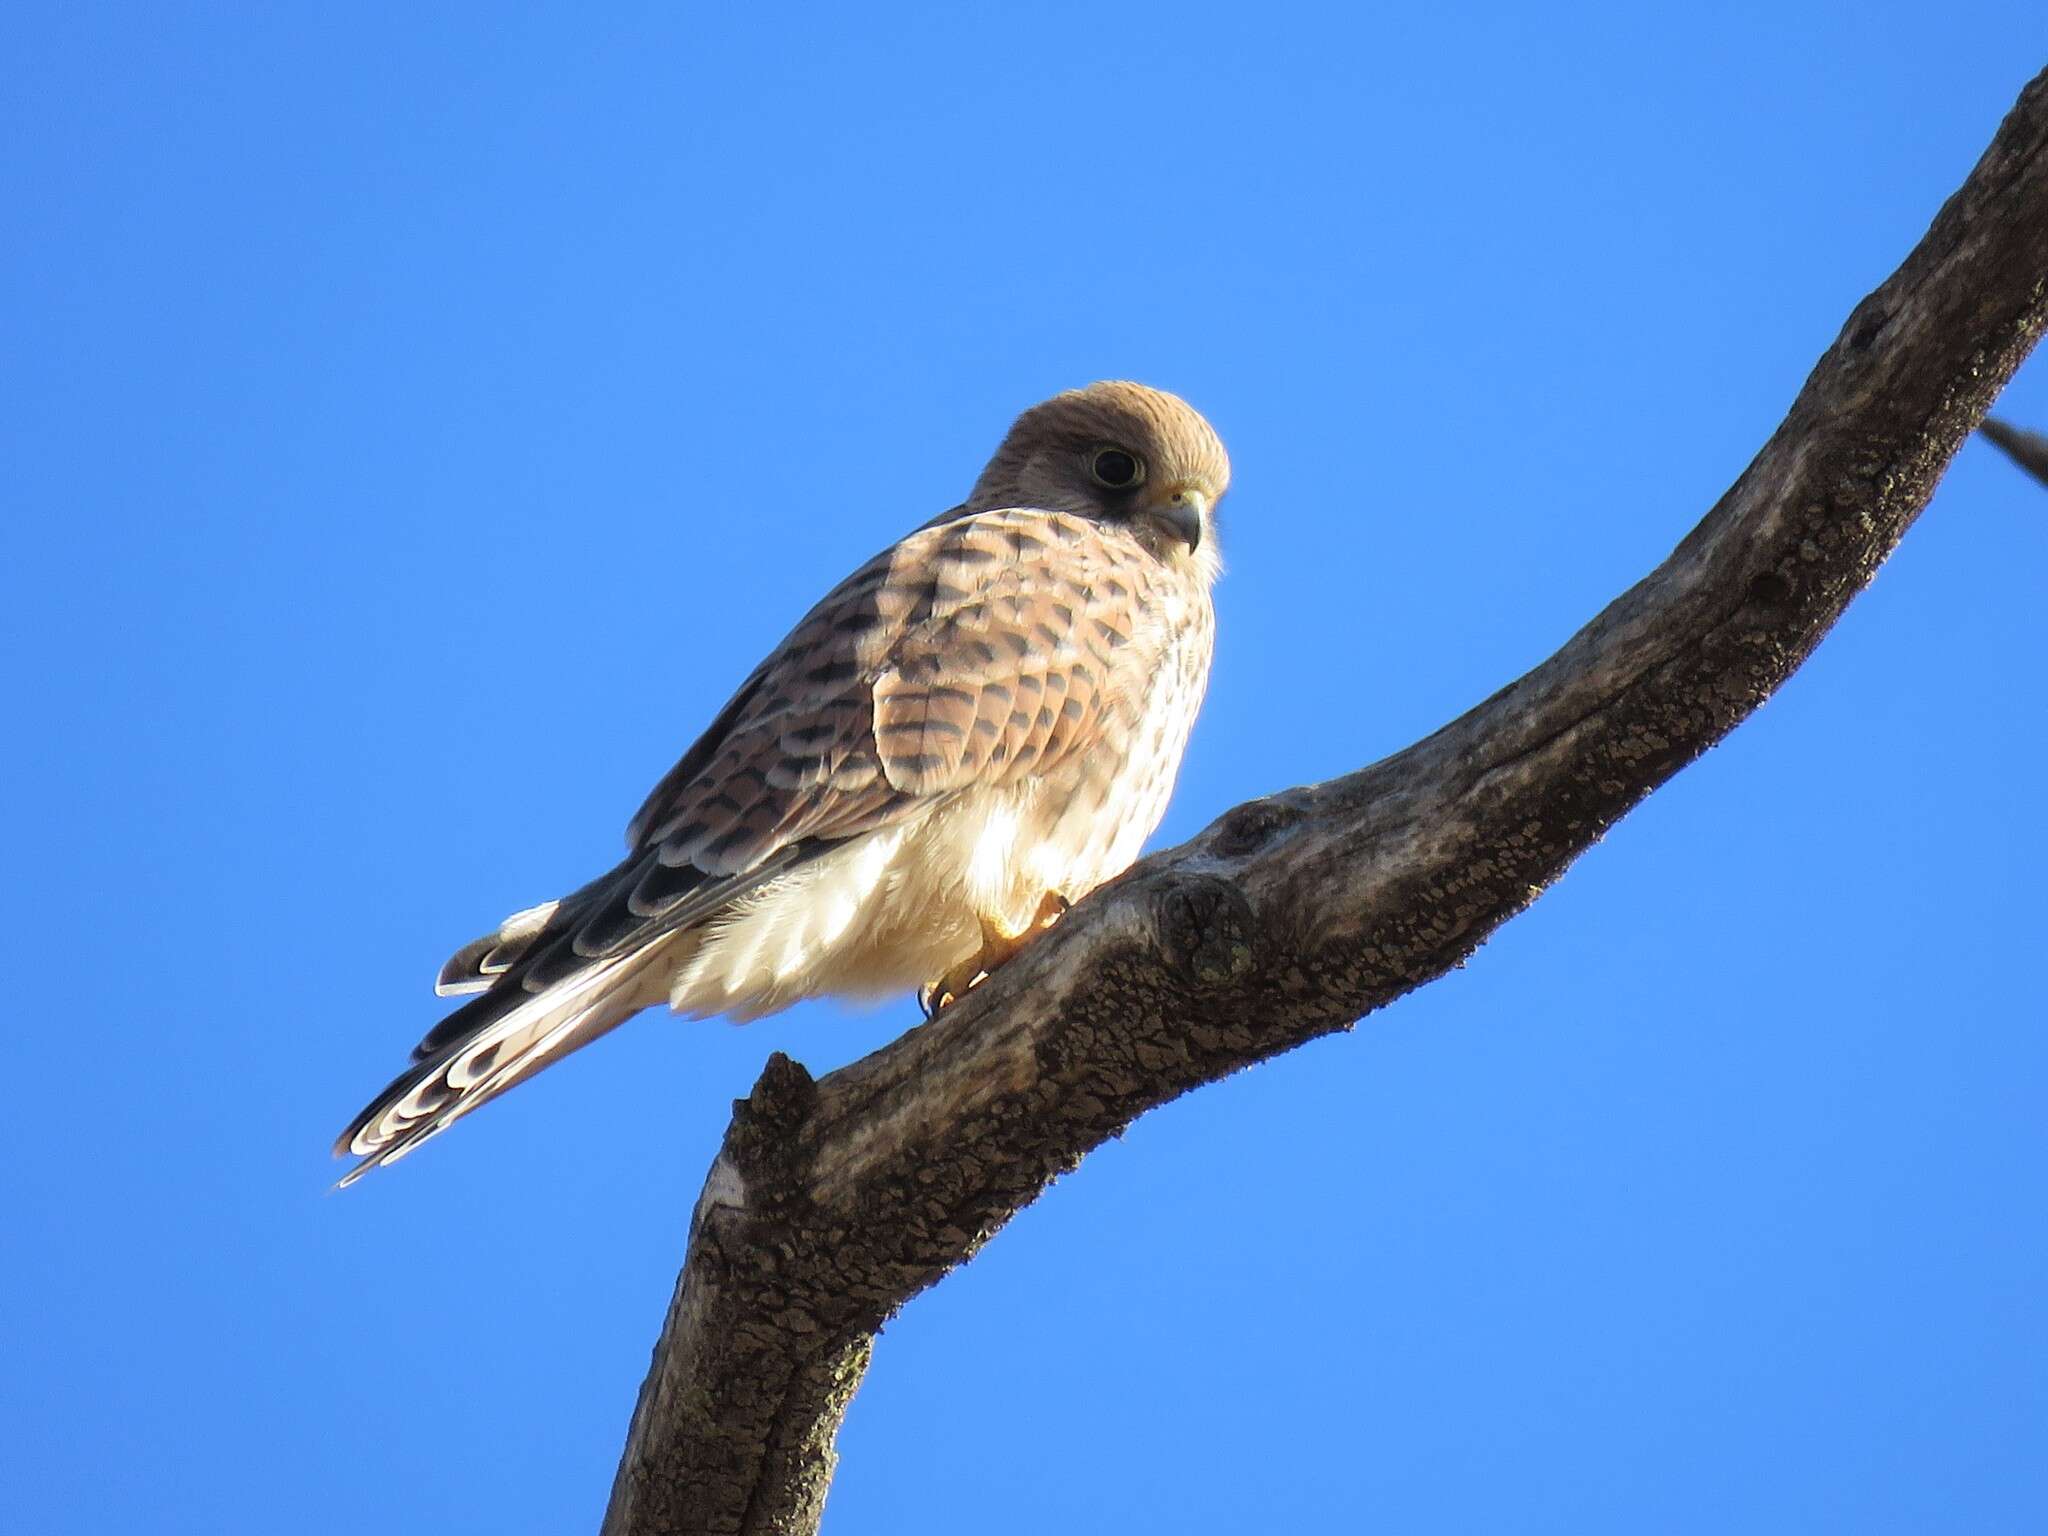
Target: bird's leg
(998,947)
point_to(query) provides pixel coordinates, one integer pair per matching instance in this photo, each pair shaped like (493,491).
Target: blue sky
(420,417)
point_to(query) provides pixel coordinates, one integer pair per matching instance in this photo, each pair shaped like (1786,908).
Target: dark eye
(1115,468)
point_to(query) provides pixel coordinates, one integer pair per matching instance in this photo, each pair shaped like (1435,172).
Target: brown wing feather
(977,650)
(1023,667)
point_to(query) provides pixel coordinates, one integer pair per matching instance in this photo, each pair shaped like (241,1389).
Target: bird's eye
(1115,468)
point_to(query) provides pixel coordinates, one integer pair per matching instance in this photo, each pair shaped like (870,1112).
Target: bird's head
(1118,453)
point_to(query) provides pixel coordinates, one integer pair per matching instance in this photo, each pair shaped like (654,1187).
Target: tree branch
(2027,449)
(833,1202)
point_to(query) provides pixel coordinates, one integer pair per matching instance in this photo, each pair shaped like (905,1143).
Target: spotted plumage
(979,725)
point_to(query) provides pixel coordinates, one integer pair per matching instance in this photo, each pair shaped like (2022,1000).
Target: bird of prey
(970,732)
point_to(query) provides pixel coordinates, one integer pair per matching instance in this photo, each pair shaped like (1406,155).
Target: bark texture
(833,1202)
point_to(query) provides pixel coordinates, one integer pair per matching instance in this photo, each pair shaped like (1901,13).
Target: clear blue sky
(418,418)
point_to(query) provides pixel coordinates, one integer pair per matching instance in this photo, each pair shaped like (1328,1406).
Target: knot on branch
(1249,827)
(1206,930)
(1867,323)
(765,1122)
(1770,590)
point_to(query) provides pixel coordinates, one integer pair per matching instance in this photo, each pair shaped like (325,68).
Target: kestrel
(972,731)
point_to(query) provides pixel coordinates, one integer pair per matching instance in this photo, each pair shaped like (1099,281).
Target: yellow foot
(998,947)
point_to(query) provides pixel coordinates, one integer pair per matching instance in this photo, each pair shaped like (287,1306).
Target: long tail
(552,978)
(495,1043)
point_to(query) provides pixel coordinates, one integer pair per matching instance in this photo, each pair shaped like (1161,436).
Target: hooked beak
(1182,509)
